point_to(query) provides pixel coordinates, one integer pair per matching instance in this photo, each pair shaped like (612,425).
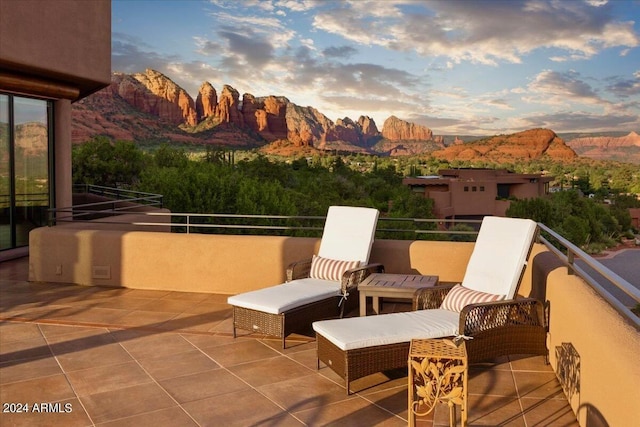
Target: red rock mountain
(395,129)
(623,148)
(151,107)
(530,144)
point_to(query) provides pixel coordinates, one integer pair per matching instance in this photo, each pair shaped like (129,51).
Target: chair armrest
(352,277)
(299,269)
(429,298)
(476,318)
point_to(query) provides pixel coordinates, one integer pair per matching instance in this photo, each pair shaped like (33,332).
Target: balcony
(132,328)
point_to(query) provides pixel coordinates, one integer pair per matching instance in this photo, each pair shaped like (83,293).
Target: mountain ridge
(149,106)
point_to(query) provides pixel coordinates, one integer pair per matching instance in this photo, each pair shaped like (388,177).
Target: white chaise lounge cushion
(363,332)
(281,298)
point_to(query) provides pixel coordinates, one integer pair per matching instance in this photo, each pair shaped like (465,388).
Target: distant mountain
(530,144)
(150,107)
(621,148)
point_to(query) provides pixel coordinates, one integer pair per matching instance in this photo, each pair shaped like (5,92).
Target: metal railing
(120,201)
(399,228)
(570,253)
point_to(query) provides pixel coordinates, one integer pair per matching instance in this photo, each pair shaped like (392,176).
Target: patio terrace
(124,357)
(132,327)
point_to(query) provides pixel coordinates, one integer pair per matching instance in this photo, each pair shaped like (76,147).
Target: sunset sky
(460,67)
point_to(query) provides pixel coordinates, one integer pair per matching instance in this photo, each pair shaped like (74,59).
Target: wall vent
(101,272)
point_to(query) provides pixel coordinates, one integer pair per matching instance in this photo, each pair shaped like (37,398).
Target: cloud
(557,88)
(128,55)
(569,121)
(339,51)
(625,88)
(486,32)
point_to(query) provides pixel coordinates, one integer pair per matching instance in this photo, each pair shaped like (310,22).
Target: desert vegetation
(250,183)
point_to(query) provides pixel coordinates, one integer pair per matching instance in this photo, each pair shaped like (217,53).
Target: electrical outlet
(58,270)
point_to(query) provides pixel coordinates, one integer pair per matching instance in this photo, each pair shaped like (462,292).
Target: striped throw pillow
(459,296)
(330,269)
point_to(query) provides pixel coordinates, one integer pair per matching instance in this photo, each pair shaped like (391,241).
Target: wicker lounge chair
(316,288)
(357,347)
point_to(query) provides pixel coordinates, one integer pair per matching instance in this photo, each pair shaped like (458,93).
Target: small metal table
(438,373)
(401,286)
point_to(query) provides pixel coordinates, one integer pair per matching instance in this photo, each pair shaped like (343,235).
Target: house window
(474,188)
(482,188)
(466,188)
(25,184)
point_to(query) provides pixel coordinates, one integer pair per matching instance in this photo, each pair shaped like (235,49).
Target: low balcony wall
(593,349)
(225,264)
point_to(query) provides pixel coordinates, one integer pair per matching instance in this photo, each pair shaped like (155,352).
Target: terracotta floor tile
(107,378)
(206,341)
(239,409)
(394,400)
(25,349)
(91,357)
(305,392)
(145,319)
(193,297)
(487,411)
(191,322)
(177,365)
(121,303)
(55,333)
(26,369)
(202,385)
(44,389)
(167,305)
(18,331)
(529,363)
(492,382)
(146,344)
(352,412)
(143,293)
(548,412)
(307,358)
(66,412)
(239,352)
(126,402)
(540,385)
(170,417)
(269,371)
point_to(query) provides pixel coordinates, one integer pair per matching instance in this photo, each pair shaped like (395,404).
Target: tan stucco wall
(608,347)
(208,263)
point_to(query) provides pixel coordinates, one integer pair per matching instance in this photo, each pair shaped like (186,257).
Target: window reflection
(24,150)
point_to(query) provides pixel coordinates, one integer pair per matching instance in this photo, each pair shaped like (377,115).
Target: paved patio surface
(123,357)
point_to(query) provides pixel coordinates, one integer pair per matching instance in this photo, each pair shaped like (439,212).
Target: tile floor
(122,357)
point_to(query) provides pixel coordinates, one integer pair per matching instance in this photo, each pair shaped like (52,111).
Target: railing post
(570,260)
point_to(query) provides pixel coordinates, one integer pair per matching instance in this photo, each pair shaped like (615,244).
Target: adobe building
(474,193)
(52,53)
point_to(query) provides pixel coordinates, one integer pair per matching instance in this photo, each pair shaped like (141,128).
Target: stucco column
(62,153)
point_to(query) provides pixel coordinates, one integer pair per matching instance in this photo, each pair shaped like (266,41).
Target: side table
(392,286)
(438,373)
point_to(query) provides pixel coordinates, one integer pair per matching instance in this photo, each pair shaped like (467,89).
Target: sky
(459,67)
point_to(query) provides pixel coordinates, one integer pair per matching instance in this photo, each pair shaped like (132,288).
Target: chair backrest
(348,233)
(500,255)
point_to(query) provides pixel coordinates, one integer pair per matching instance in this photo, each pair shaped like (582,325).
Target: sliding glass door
(25,167)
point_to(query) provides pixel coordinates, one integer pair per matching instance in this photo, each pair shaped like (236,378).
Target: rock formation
(395,129)
(206,101)
(530,144)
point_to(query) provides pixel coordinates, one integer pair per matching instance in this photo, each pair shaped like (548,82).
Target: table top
(406,281)
(437,347)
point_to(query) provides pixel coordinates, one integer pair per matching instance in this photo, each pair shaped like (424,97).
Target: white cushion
(348,233)
(330,269)
(281,298)
(362,332)
(499,255)
(459,297)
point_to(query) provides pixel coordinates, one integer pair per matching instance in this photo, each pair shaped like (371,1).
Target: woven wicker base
(358,363)
(297,320)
